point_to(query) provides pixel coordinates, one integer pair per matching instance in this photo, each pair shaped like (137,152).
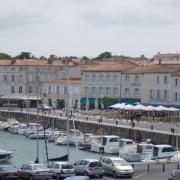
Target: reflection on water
(25,149)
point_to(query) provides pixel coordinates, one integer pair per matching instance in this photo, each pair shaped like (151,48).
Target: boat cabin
(125,142)
(163,151)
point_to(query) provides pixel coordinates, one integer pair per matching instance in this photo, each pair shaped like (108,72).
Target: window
(20,68)
(93,77)
(86,91)
(93,91)
(65,89)
(151,94)
(20,89)
(101,91)
(136,78)
(165,94)
(87,77)
(12,78)
(49,89)
(5,77)
(108,91)
(127,91)
(165,79)
(57,90)
(136,92)
(101,77)
(157,79)
(175,96)
(30,89)
(13,69)
(115,77)
(107,77)
(115,91)
(158,93)
(12,89)
(20,77)
(126,78)
(176,82)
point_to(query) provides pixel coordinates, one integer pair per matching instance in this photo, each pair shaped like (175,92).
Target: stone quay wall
(137,134)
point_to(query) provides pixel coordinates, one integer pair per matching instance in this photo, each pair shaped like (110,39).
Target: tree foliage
(104,55)
(4,56)
(24,55)
(106,101)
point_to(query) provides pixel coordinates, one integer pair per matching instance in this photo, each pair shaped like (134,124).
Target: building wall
(57,91)
(156,88)
(131,85)
(100,84)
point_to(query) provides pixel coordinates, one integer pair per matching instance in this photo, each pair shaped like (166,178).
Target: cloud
(146,13)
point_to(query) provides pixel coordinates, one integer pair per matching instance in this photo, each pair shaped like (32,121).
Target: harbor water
(25,150)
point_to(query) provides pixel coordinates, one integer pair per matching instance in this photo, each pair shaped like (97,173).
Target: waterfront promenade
(164,127)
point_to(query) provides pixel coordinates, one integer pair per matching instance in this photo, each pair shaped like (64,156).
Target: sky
(90,27)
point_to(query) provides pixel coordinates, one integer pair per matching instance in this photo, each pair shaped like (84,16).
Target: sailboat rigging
(66,156)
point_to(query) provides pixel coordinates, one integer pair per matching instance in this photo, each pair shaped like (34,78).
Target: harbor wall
(137,134)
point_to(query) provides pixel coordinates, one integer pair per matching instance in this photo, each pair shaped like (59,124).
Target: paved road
(155,172)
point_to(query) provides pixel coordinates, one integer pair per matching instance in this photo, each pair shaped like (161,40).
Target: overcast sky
(89,27)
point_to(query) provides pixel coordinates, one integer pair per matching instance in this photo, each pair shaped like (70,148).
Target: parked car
(175,175)
(8,172)
(89,167)
(77,178)
(34,171)
(61,169)
(117,167)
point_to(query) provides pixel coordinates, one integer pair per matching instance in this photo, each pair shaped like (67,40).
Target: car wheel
(131,175)
(101,175)
(30,177)
(58,176)
(85,173)
(114,174)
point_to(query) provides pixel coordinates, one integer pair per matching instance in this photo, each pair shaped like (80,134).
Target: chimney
(159,61)
(50,60)
(13,60)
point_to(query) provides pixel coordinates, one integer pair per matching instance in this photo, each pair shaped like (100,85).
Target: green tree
(106,101)
(4,56)
(24,55)
(104,55)
(43,58)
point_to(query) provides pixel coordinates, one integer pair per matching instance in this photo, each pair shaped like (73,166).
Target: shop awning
(19,97)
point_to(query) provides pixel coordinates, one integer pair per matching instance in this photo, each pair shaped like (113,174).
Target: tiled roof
(30,62)
(113,66)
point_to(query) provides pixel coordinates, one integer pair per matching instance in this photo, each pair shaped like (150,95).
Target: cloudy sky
(89,27)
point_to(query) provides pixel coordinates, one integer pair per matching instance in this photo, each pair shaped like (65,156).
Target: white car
(61,169)
(117,167)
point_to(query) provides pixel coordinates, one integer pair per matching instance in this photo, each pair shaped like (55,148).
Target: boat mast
(67,104)
(37,118)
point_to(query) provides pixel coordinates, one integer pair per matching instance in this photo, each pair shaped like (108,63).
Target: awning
(129,100)
(91,100)
(19,97)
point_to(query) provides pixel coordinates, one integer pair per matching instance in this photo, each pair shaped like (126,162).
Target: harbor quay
(87,125)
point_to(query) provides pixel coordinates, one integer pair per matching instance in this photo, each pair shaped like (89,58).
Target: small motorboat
(5,155)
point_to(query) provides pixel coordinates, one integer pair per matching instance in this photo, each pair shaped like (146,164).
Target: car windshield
(120,162)
(95,164)
(67,166)
(39,167)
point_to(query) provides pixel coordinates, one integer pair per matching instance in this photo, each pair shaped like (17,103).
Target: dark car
(8,172)
(34,171)
(175,175)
